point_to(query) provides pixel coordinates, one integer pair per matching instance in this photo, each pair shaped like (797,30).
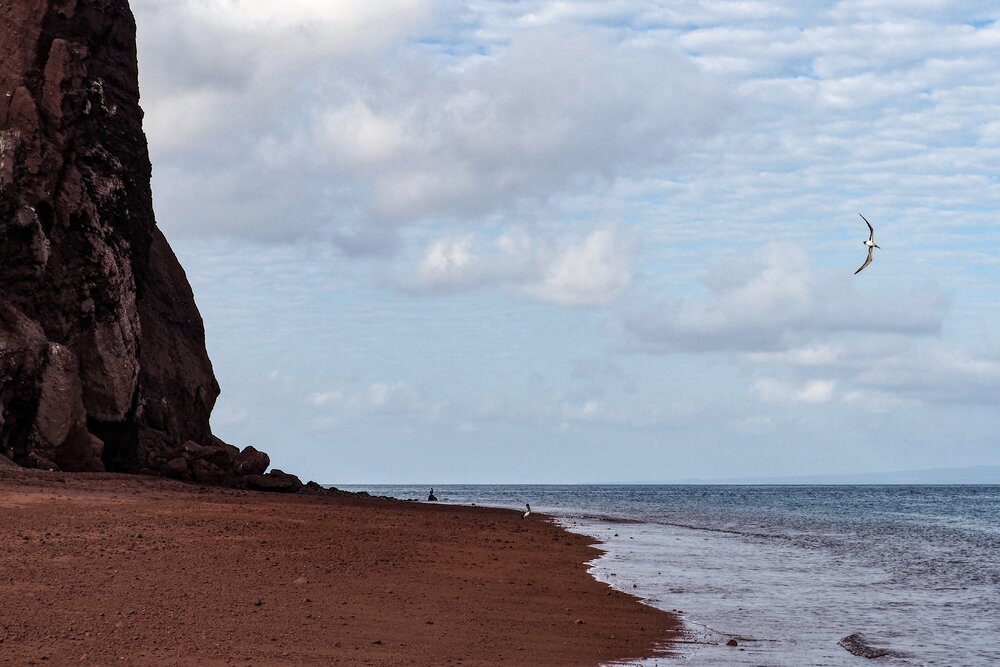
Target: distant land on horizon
(967,475)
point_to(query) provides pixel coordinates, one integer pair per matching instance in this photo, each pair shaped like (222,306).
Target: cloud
(589,271)
(586,411)
(450,264)
(812,392)
(819,354)
(939,374)
(339,122)
(878,372)
(306,20)
(351,402)
(214,73)
(561,411)
(776,300)
(331,119)
(551,111)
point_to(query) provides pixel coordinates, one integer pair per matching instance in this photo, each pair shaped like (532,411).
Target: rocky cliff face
(102,349)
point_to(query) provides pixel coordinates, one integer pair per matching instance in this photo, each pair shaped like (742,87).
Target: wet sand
(102,569)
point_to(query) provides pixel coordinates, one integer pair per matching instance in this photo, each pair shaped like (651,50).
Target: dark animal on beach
(430,496)
(525,515)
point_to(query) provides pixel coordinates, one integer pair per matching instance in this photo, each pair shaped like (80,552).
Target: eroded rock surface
(860,646)
(102,349)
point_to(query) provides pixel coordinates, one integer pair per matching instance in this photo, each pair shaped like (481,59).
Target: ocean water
(788,571)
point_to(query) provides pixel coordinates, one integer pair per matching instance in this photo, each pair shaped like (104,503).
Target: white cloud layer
(587,271)
(812,392)
(334,121)
(591,273)
(356,401)
(777,300)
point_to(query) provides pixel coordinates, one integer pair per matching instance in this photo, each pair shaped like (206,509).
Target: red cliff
(102,350)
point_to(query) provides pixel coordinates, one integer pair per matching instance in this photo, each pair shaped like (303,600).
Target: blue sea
(788,571)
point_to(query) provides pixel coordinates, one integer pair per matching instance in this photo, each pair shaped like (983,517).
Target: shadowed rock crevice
(102,348)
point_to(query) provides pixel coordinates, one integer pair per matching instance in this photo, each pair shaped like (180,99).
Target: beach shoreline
(100,568)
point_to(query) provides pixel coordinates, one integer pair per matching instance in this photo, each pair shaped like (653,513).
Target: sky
(569,241)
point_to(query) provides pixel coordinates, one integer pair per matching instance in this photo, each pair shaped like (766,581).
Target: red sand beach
(101,569)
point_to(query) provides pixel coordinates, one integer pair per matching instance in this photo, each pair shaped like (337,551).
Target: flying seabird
(525,515)
(870,243)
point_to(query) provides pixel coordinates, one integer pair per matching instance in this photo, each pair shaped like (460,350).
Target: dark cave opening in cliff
(15,432)
(121,444)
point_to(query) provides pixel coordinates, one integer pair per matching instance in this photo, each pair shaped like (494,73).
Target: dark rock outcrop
(858,645)
(276,480)
(102,349)
(251,462)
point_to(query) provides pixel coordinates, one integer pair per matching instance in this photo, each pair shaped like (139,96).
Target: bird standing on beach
(525,515)
(870,243)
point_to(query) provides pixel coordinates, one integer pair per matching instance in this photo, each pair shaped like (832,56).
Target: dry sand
(102,569)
